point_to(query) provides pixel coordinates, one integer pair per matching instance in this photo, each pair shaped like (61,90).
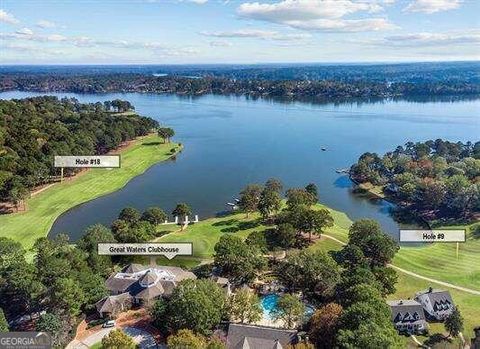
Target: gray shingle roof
(110,303)
(438,298)
(242,336)
(406,311)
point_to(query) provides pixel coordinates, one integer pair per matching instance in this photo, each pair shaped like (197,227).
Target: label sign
(87,161)
(169,250)
(432,235)
(25,340)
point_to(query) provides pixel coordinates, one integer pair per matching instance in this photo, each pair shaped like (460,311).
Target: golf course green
(45,207)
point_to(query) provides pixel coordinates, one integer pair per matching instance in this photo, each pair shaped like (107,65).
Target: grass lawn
(45,207)
(97,346)
(439,261)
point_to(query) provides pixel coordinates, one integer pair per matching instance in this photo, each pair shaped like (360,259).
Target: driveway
(144,339)
(90,340)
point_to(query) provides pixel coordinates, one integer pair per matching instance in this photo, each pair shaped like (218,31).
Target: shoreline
(45,208)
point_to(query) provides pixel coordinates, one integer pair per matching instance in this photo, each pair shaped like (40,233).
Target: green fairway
(45,207)
(439,261)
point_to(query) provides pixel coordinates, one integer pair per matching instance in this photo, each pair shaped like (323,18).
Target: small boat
(323,149)
(231,204)
(342,170)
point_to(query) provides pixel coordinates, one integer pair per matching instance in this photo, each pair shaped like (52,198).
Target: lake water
(232,141)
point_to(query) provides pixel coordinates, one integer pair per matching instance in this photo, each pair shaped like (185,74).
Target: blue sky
(237,31)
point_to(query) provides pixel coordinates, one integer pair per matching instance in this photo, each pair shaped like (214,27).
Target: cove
(232,141)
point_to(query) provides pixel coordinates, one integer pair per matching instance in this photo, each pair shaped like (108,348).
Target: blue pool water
(269,304)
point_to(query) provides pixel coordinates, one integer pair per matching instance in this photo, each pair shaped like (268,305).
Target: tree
(186,339)
(49,323)
(454,323)
(324,325)
(94,289)
(361,292)
(237,260)
(387,278)
(159,312)
(140,231)
(285,235)
(117,339)
(18,195)
(369,335)
(310,271)
(376,246)
(67,295)
(274,184)
(350,257)
(259,240)
(216,343)
(299,197)
(10,252)
(166,133)
(3,322)
(312,190)
(197,305)
(290,310)
(250,198)
(308,220)
(244,306)
(88,243)
(129,214)
(182,210)
(154,215)
(270,202)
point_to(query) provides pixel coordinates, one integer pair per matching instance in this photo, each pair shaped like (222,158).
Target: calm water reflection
(231,141)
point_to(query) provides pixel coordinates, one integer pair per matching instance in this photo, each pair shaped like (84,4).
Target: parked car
(109,323)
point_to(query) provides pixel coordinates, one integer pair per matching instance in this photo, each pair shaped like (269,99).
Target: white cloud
(8,17)
(255,33)
(432,6)
(220,43)
(344,25)
(26,34)
(24,31)
(434,39)
(45,24)
(321,15)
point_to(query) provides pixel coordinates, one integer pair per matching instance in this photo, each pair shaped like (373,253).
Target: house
(408,316)
(242,336)
(437,304)
(139,285)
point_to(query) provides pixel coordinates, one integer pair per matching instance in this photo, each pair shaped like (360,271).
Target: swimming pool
(269,304)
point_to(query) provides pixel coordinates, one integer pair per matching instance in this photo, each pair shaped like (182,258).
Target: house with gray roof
(136,284)
(437,304)
(408,316)
(242,336)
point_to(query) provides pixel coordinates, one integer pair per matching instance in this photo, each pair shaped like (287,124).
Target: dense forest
(34,130)
(451,72)
(279,89)
(438,179)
